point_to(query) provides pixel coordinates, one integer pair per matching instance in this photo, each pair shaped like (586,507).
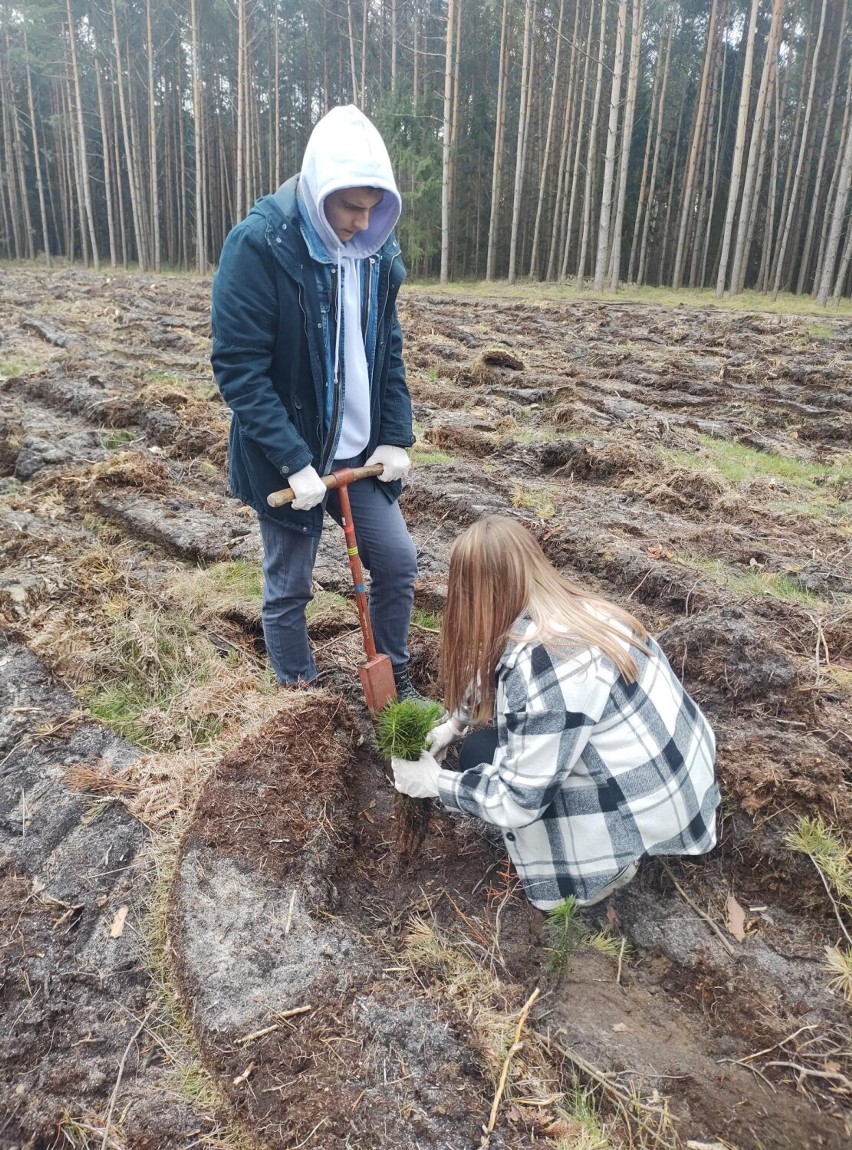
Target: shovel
(377,672)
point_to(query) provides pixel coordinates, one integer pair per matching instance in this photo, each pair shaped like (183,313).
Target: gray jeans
(387,551)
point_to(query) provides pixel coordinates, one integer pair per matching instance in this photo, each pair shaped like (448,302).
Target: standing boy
(307,353)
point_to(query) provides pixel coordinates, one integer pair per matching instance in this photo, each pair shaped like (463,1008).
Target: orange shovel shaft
(357,570)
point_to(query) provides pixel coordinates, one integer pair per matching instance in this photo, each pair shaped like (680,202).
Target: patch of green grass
(426,620)
(115,440)
(533,290)
(580,1113)
(328,602)
(754,582)
(169,377)
(534,499)
(738,462)
(151,661)
(819,330)
(427,456)
(536,434)
(12,367)
(234,586)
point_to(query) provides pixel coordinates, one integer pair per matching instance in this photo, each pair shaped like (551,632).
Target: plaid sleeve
(546,711)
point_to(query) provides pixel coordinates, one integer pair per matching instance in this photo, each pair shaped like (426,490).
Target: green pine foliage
(402,728)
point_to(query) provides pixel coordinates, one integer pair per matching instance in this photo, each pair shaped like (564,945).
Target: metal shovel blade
(378,682)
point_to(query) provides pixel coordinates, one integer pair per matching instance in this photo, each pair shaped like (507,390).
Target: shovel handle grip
(340,478)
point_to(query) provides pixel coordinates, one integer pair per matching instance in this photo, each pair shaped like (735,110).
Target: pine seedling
(402,730)
(565,933)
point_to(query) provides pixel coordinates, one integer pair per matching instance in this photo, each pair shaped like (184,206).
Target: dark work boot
(405,689)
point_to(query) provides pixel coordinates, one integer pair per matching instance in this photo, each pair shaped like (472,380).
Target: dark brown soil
(599,424)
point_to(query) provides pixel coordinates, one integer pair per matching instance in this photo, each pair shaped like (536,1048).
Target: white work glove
(308,488)
(394,460)
(440,738)
(417,779)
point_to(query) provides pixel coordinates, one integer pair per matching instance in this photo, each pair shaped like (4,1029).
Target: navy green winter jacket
(274,317)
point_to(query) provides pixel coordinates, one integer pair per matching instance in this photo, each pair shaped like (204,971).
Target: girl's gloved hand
(440,738)
(394,460)
(418,779)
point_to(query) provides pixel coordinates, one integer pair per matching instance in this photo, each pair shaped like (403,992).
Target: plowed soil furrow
(691,463)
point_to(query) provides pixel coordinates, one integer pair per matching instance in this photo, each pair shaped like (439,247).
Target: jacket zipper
(335,408)
(296,401)
(382,316)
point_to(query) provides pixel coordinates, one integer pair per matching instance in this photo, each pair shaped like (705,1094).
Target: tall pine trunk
(739,149)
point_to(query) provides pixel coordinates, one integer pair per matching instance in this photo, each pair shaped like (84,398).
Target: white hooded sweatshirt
(346,151)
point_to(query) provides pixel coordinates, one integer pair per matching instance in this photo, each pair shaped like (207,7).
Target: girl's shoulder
(558,654)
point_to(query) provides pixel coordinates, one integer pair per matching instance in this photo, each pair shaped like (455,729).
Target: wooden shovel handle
(340,478)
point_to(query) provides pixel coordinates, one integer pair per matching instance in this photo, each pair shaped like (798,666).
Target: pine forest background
(701,144)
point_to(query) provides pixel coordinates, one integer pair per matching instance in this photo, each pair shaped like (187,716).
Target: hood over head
(345,150)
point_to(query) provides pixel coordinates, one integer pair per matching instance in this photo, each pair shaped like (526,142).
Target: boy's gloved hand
(308,488)
(394,460)
(418,780)
(440,738)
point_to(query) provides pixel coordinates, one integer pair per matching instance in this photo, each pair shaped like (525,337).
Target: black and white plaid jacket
(591,773)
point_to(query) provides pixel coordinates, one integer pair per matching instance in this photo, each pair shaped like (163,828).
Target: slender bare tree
(545,163)
(756,153)
(591,157)
(499,138)
(838,220)
(792,199)
(446,190)
(626,141)
(739,149)
(523,132)
(699,125)
(605,218)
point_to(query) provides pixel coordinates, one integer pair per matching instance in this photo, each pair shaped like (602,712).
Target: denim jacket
(273,321)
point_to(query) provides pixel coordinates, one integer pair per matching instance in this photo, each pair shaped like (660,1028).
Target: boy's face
(348,210)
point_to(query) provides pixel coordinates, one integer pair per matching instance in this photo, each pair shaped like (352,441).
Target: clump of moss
(402,731)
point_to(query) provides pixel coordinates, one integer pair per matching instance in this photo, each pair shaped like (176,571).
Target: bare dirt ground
(208,936)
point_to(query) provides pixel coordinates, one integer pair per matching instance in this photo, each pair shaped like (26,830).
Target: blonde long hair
(498,572)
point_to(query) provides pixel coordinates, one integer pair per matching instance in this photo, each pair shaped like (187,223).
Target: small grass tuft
(426,620)
(9,368)
(428,457)
(536,500)
(221,589)
(828,852)
(838,963)
(579,1125)
(116,440)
